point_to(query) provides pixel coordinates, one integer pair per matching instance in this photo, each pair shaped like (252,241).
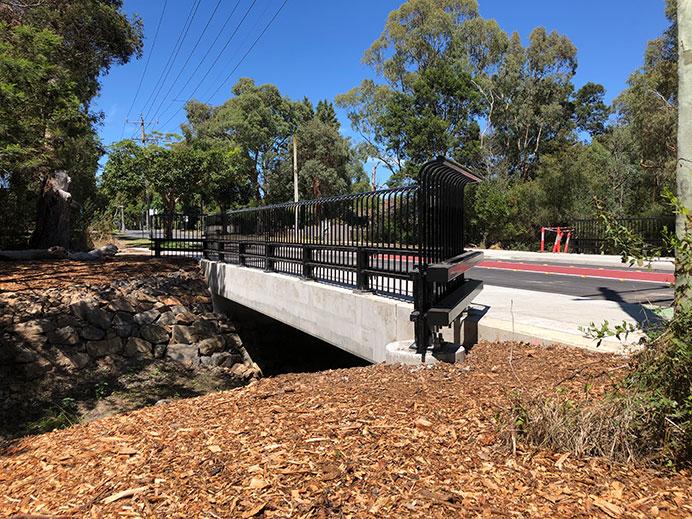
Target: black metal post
(241,253)
(362,277)
(269,257)
(306,262)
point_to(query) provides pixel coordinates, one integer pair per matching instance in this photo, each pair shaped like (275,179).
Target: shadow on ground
(278,348)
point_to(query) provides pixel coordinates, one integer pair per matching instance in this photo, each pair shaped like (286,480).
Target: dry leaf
(214,448)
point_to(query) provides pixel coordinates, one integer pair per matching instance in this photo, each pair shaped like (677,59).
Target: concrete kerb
(660,264)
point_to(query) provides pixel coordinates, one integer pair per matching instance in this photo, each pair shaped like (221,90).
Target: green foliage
(599,332)
(52,55)
(59,416)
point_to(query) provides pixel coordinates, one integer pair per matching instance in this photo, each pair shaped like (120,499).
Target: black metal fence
(589,235)
(177,235)
(368,241)
(381,242)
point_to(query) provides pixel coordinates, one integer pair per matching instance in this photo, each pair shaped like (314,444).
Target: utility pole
(142,128)
(374,177)
(684,163)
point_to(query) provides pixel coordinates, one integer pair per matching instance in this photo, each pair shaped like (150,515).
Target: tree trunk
(53,218)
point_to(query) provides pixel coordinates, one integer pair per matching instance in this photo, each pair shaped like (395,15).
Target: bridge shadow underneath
(278,348)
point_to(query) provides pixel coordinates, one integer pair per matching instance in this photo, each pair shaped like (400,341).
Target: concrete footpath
(546,318)
(600,260)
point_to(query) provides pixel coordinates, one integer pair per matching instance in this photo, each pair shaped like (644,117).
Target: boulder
(183,334)
(72,359)
(80,308)
(166,319)
(184,353)
(123,324)
(178,309)
(121,304)
(147,317)
(211,345)
(105,347)
(160,351)
(185,318)
(153,333)
(226,359)
(233,341)
(32,332)
(138,348)
(91,333)
(99,317)
(66,335)
(22,355)
(205,328)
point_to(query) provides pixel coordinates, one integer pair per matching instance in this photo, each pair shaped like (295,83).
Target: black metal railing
(177,235)
(383,242)
(368,241)
(589,234)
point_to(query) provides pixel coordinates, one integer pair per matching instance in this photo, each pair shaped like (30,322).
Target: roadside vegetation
(648,414)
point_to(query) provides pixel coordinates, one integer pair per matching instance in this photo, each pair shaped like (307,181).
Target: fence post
(268,257)
(157,248)
(362,277)
(241,253)
(306,260)
(221,245)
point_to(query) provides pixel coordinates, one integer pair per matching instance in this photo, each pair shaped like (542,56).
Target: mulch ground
(35,275)
(377,441)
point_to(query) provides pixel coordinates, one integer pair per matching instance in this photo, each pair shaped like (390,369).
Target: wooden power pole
(684,162)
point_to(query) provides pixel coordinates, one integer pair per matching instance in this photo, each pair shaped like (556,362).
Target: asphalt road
(626,291)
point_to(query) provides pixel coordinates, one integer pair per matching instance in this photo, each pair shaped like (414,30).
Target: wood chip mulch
(35,275)
(378,441)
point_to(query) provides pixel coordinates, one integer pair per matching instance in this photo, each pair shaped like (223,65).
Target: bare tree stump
(53,218)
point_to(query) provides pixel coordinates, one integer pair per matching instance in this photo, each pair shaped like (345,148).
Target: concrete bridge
(358,271)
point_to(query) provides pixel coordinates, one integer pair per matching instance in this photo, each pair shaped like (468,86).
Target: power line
(266,27)
(201,61)
(172,57)
(276,14)
(239,46)
(189,56)
(146,65)
(219,54)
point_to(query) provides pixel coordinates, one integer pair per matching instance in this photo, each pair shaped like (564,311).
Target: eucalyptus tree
(431,56)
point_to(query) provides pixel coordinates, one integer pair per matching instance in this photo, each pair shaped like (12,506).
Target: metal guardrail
(383,242)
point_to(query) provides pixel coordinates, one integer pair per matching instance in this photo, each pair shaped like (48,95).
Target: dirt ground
(374,441)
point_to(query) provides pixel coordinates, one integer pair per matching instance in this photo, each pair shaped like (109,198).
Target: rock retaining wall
(168,317)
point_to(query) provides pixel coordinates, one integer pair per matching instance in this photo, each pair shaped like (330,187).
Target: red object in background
(560,232)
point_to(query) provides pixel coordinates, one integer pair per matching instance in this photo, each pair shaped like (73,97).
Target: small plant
(648,415)
(101,390)
(599,332)
(59,416)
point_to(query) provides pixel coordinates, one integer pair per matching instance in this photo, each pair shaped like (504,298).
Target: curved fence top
(446,170)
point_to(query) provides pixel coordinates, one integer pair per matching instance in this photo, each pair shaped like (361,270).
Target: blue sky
(314,48)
